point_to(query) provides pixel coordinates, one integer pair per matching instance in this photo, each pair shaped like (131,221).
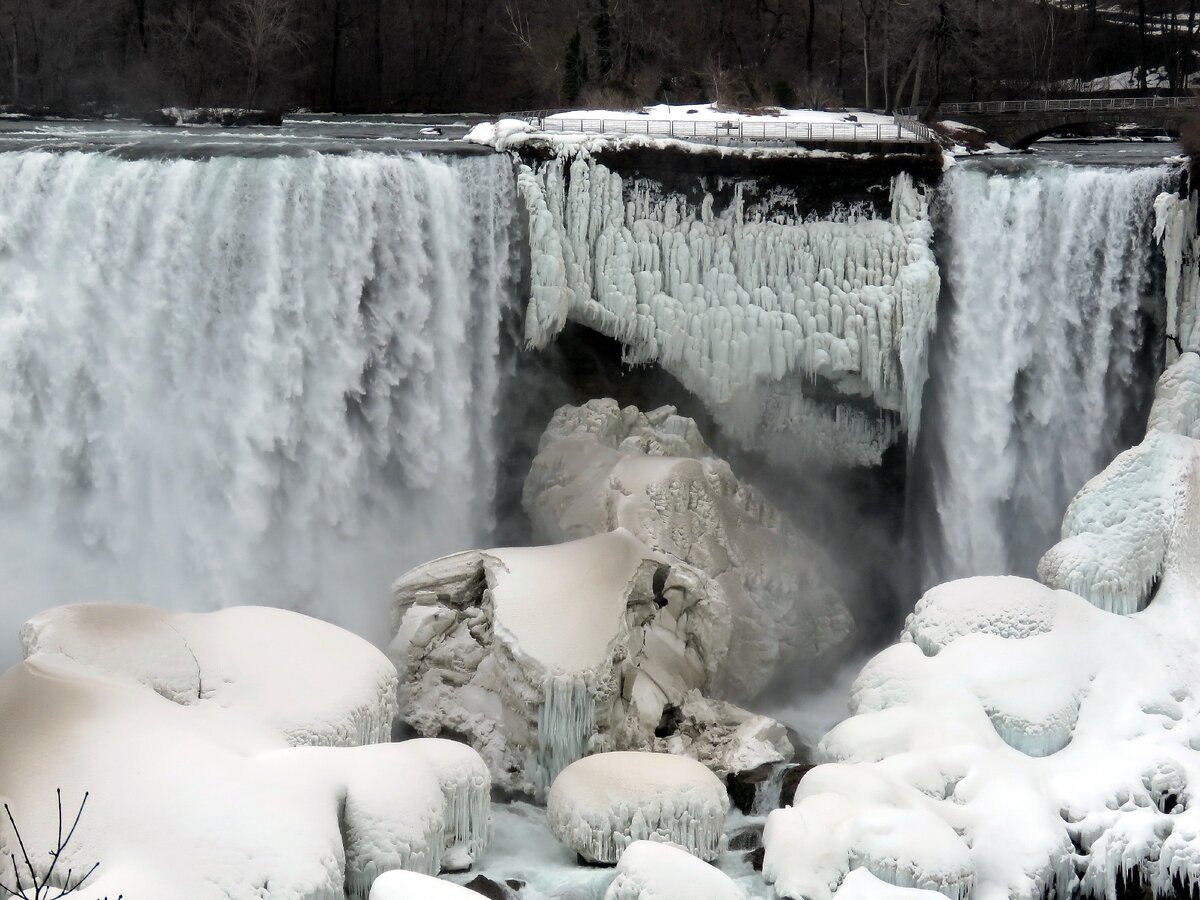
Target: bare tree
(259,31)
(44,885)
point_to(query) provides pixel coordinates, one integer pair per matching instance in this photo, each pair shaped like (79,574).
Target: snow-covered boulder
(746,303)
(414,886)
(313,683)
(541,655)
(601,804)
(651,870)
(601,467)
(862,885)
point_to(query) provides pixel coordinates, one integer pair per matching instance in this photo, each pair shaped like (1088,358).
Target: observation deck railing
(902,129)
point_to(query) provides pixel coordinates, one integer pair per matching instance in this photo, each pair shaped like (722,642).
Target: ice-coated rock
(211,803)
(651,870)
(1139,519)
(736,302)
(601,467)
(414,886)
(601,804)
(314,683)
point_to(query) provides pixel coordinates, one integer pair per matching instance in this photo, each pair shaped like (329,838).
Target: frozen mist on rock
(1035,379)
(235,380)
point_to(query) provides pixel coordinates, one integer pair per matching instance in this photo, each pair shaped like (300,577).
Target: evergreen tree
(574,69)
(603,26)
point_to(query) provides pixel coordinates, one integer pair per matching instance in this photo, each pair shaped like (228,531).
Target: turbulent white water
(245,380)
(1047,267)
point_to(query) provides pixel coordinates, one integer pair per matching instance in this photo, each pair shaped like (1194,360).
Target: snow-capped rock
(743,305)
(600,467)
(314,683)
(414,886)
(210,802)
(601,804)
(541,655)
(651,870)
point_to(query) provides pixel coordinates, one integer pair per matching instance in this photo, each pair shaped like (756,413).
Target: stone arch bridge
(1018,123)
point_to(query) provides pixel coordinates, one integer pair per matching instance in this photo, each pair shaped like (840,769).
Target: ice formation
(414,886)
(601,804)
(311,682)
(541,655)
(1023,740)
(1176,231)
(207,801)
(652,870)
(600,467)
(732,301)
(1138,520)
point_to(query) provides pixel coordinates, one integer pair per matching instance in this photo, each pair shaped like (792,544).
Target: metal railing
(904,131)
(1082,104)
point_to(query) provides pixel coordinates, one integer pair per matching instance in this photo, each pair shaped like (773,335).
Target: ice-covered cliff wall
(242,379)
(757,308)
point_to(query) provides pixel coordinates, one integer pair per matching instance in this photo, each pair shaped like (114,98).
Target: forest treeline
(490,55)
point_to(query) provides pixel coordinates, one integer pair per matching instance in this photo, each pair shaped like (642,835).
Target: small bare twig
(41,886)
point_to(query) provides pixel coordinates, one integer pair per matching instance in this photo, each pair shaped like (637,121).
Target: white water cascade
(245,380)
(1047,267)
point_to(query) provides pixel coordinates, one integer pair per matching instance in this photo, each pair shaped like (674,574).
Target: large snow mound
(1024,741)
(744,305)
(202,801)
(314,683)
(601,804)
(541,655)
(600,467)
(650,870)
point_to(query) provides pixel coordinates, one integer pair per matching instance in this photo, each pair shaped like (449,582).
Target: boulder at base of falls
(311,682)
(212,802)
(413,886)
(602,804)
(600,467)
(651,870)
(541,655)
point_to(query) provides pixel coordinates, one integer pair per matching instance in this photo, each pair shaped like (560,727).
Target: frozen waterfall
(246,380)
(1034,372)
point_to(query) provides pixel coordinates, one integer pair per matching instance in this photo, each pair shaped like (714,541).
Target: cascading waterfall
(241,380)
(1048,268)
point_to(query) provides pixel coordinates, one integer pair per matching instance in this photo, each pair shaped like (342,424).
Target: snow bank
(601,804)
(1024,740)
(743,305)
(414,886)
(600,467)
(314,683)
(650,870)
